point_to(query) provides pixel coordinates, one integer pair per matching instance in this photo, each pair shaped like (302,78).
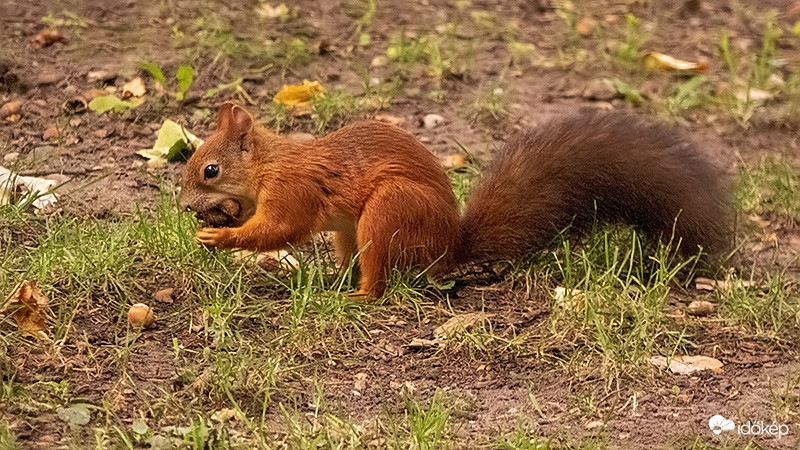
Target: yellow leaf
(572,299)
(458,324)
(655,60)
(27,307)
(133,88)
(298,97)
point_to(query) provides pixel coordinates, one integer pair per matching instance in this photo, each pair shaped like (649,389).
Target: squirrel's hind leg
(403,227)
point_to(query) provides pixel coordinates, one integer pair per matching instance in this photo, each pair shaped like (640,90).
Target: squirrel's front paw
(214,237)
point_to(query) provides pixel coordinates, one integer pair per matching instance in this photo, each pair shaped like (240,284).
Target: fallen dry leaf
(568,300)
(453,161)
(683,365)
(268,11)
(459,323)
(707,284)
(10,108)
(283,258)
(47,37)
(133,88)
(27,307)
(655,60)
(11,182)
(420,343)
(753,95)
(298,97)
(164,295)
(225,414)
(269,261)
(388,118)
(13,118)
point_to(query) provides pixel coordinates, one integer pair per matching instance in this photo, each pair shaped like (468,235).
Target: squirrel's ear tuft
(234,118)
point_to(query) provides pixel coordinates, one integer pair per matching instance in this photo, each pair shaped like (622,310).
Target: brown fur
(372,183)
(611,166)
(385,194)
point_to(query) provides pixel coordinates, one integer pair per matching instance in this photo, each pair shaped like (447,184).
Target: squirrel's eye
(211,171)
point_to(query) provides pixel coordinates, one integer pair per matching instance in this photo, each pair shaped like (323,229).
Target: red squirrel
(386,196)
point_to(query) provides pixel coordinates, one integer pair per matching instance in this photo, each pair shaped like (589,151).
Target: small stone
(41,153)
(11,157)
(101,133)
(49,76)
(431,121)
(700,308)
(99,75)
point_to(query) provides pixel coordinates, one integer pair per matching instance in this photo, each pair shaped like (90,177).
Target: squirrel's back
(610,166)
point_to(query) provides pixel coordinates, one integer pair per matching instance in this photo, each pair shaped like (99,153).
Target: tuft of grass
(785,398)
(8,439)
(765,62)
(442,56)
(489,105)
(463,179)
(769,186)
(767,307)
(334,109)
(422,427)
(752,82)
(687,95)
(618,310)
(522,439)
(629,50)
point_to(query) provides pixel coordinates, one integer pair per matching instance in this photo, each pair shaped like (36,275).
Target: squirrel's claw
(213,237)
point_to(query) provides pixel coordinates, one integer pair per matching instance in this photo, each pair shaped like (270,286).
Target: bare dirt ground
(491,389)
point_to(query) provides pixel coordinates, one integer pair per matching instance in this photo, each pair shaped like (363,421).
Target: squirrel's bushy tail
(609,166)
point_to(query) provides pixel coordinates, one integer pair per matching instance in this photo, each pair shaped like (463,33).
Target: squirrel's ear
(242,120)
(234,118)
